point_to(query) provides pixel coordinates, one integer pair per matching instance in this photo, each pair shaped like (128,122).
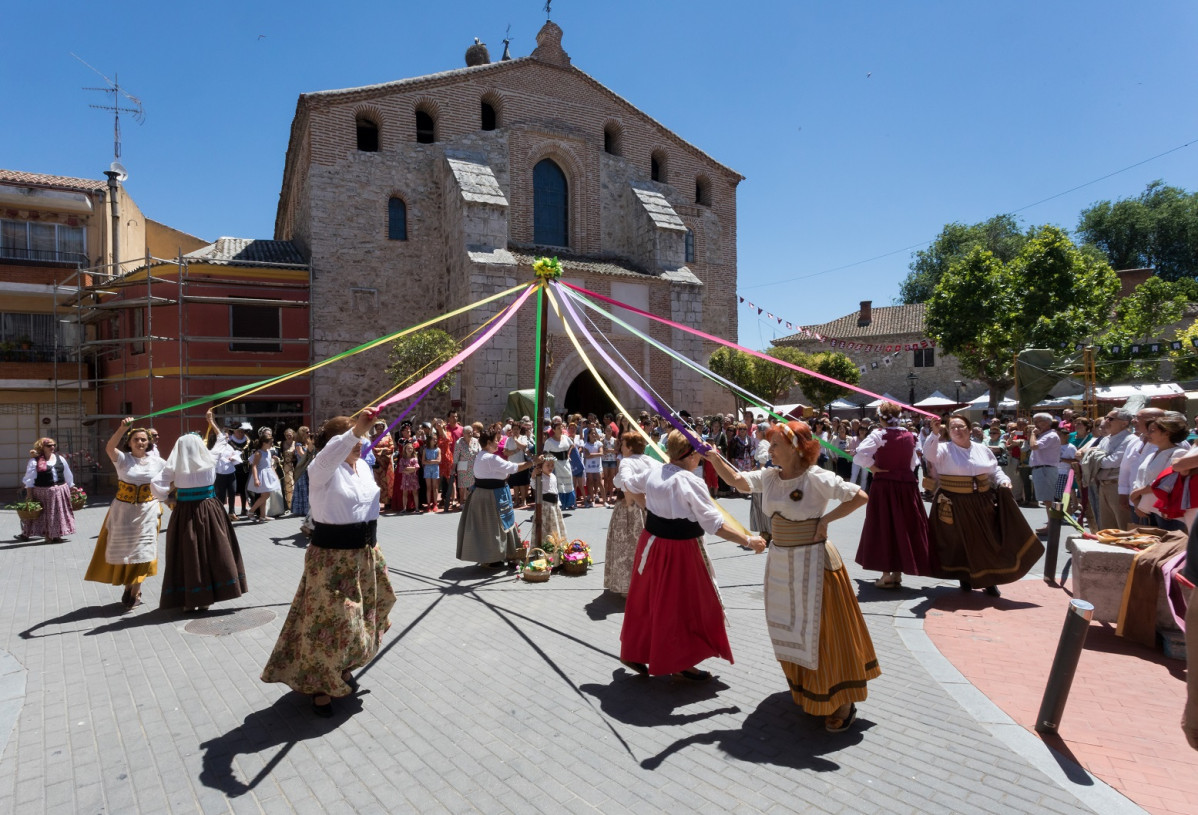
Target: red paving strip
(1121,721)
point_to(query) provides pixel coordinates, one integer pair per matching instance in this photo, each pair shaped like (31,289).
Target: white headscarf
(190,456)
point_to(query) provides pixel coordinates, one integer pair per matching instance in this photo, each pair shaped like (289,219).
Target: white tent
(936,400)
(886,397)
(1116,393)
(982,403)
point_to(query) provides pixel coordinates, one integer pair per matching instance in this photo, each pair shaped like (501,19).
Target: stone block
(1099,575)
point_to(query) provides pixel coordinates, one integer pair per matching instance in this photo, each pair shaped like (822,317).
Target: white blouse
(138,471)
(633,465)
(161,485)
(948,458)
(1153,465)
(493,465)
(68,477)
(339,494)
(818,486)
(672,492)
(866,450)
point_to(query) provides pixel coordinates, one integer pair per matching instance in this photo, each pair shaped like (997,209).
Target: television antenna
(114,88)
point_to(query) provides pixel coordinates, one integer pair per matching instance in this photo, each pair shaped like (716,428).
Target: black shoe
(966,585)
(348,678)
(638,668)
(993,591)
(324,711)
(496,565)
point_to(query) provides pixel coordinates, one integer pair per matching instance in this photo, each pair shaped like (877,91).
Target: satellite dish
(119,169)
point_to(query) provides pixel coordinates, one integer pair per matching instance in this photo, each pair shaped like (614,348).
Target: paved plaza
(489,695)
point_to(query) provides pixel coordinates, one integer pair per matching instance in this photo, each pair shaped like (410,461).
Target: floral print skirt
(337,620)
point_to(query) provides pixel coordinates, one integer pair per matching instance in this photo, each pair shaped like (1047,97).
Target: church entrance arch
(585,396)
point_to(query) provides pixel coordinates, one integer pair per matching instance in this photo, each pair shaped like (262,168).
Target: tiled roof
(884,321)
(61,182)
(249,250)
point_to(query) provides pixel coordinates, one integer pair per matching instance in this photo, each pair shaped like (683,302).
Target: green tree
(737,367)
(1000,235)
(1185,361)
(1158,229)
(1155,304)
(773,382)
(1050,295)
(833,364)
(420,353)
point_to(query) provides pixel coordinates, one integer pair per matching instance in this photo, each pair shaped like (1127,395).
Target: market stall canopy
(1118,393)
(982,403)
(936,400)
(886,397)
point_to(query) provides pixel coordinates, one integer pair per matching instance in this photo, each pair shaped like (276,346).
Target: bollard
(1064,665)
(1053,542)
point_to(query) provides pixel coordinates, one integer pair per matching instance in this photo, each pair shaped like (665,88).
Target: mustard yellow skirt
(846,653)
(117,574)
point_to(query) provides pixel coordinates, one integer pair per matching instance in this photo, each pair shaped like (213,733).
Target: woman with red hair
(814,620)
(674,619)
(48,480)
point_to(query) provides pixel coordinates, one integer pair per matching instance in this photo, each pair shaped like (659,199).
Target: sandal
(22,538)
(835,724)
(887,584)
(322,709)
(127,598)
(694,675)
(638,668)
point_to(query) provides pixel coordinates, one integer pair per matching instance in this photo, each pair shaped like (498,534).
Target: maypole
(546,269)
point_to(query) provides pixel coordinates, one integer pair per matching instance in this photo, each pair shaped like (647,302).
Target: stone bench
(1099,575)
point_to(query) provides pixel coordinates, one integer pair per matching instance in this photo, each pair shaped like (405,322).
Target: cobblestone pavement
(489,695)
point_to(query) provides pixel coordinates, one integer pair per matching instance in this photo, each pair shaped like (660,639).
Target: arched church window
(550,204)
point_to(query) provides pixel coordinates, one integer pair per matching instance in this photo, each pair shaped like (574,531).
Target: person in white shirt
(559,446)
(126,552)
(628,518)
(1113,508)
(227,458)
(1065,465)
(1045,455)
(1137,448)
(674,619)
(976,530)
(487,529)
(48,480)
(344,590)
(202,558)
(1165,434)
(827,656)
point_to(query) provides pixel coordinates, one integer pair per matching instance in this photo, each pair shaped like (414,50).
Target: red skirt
(709,477)
(673,619)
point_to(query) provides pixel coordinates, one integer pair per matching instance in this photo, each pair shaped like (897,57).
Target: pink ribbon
(419,384)
(758,354)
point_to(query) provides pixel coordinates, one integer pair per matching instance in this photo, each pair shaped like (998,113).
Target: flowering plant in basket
(578,553)
(78,498)
(27,510)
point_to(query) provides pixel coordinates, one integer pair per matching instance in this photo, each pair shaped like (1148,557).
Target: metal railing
(43,255)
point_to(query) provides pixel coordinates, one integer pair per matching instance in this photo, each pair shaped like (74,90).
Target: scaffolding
(103,355)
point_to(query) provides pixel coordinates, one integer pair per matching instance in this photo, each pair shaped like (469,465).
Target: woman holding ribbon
(487,529)
(48,480)
(894,539)
(127,550)
(628,518)
(674,618)
(340,610)
(203,560)
(977,532)
(815,623)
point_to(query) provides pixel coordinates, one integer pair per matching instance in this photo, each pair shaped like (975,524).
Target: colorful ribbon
(721,341)
(466,352)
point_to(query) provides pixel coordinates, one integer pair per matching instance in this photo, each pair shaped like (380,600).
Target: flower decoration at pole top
(547,268)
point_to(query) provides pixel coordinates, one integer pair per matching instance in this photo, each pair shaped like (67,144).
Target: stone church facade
(416,197)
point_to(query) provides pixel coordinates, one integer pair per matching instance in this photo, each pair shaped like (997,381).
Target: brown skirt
(981,537)
(203,560)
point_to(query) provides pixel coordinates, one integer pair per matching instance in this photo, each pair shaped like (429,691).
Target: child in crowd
(578,470)
(592,464)
(264,480)
(610,465)
(409,479)
(1068,459)
(432,471)
(552,522)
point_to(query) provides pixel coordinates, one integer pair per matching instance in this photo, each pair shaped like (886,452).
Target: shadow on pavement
(8,547)
(108,610)
(1070,764)
(652,701)
(299,540)
(603,606)
(285,723)
(778,732)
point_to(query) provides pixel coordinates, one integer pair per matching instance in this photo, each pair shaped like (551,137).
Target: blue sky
(862,128)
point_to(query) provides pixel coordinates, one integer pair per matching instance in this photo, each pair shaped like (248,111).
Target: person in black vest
(48,480)
(239,441)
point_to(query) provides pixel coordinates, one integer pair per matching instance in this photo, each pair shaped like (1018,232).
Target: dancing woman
(815,623)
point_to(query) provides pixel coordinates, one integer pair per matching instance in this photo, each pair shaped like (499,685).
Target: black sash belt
(490,483)
(549,498)
(673,528)
(344,536)
(561,455)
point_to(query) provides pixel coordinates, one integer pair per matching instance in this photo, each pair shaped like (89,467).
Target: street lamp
(959,384)
(912,378)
